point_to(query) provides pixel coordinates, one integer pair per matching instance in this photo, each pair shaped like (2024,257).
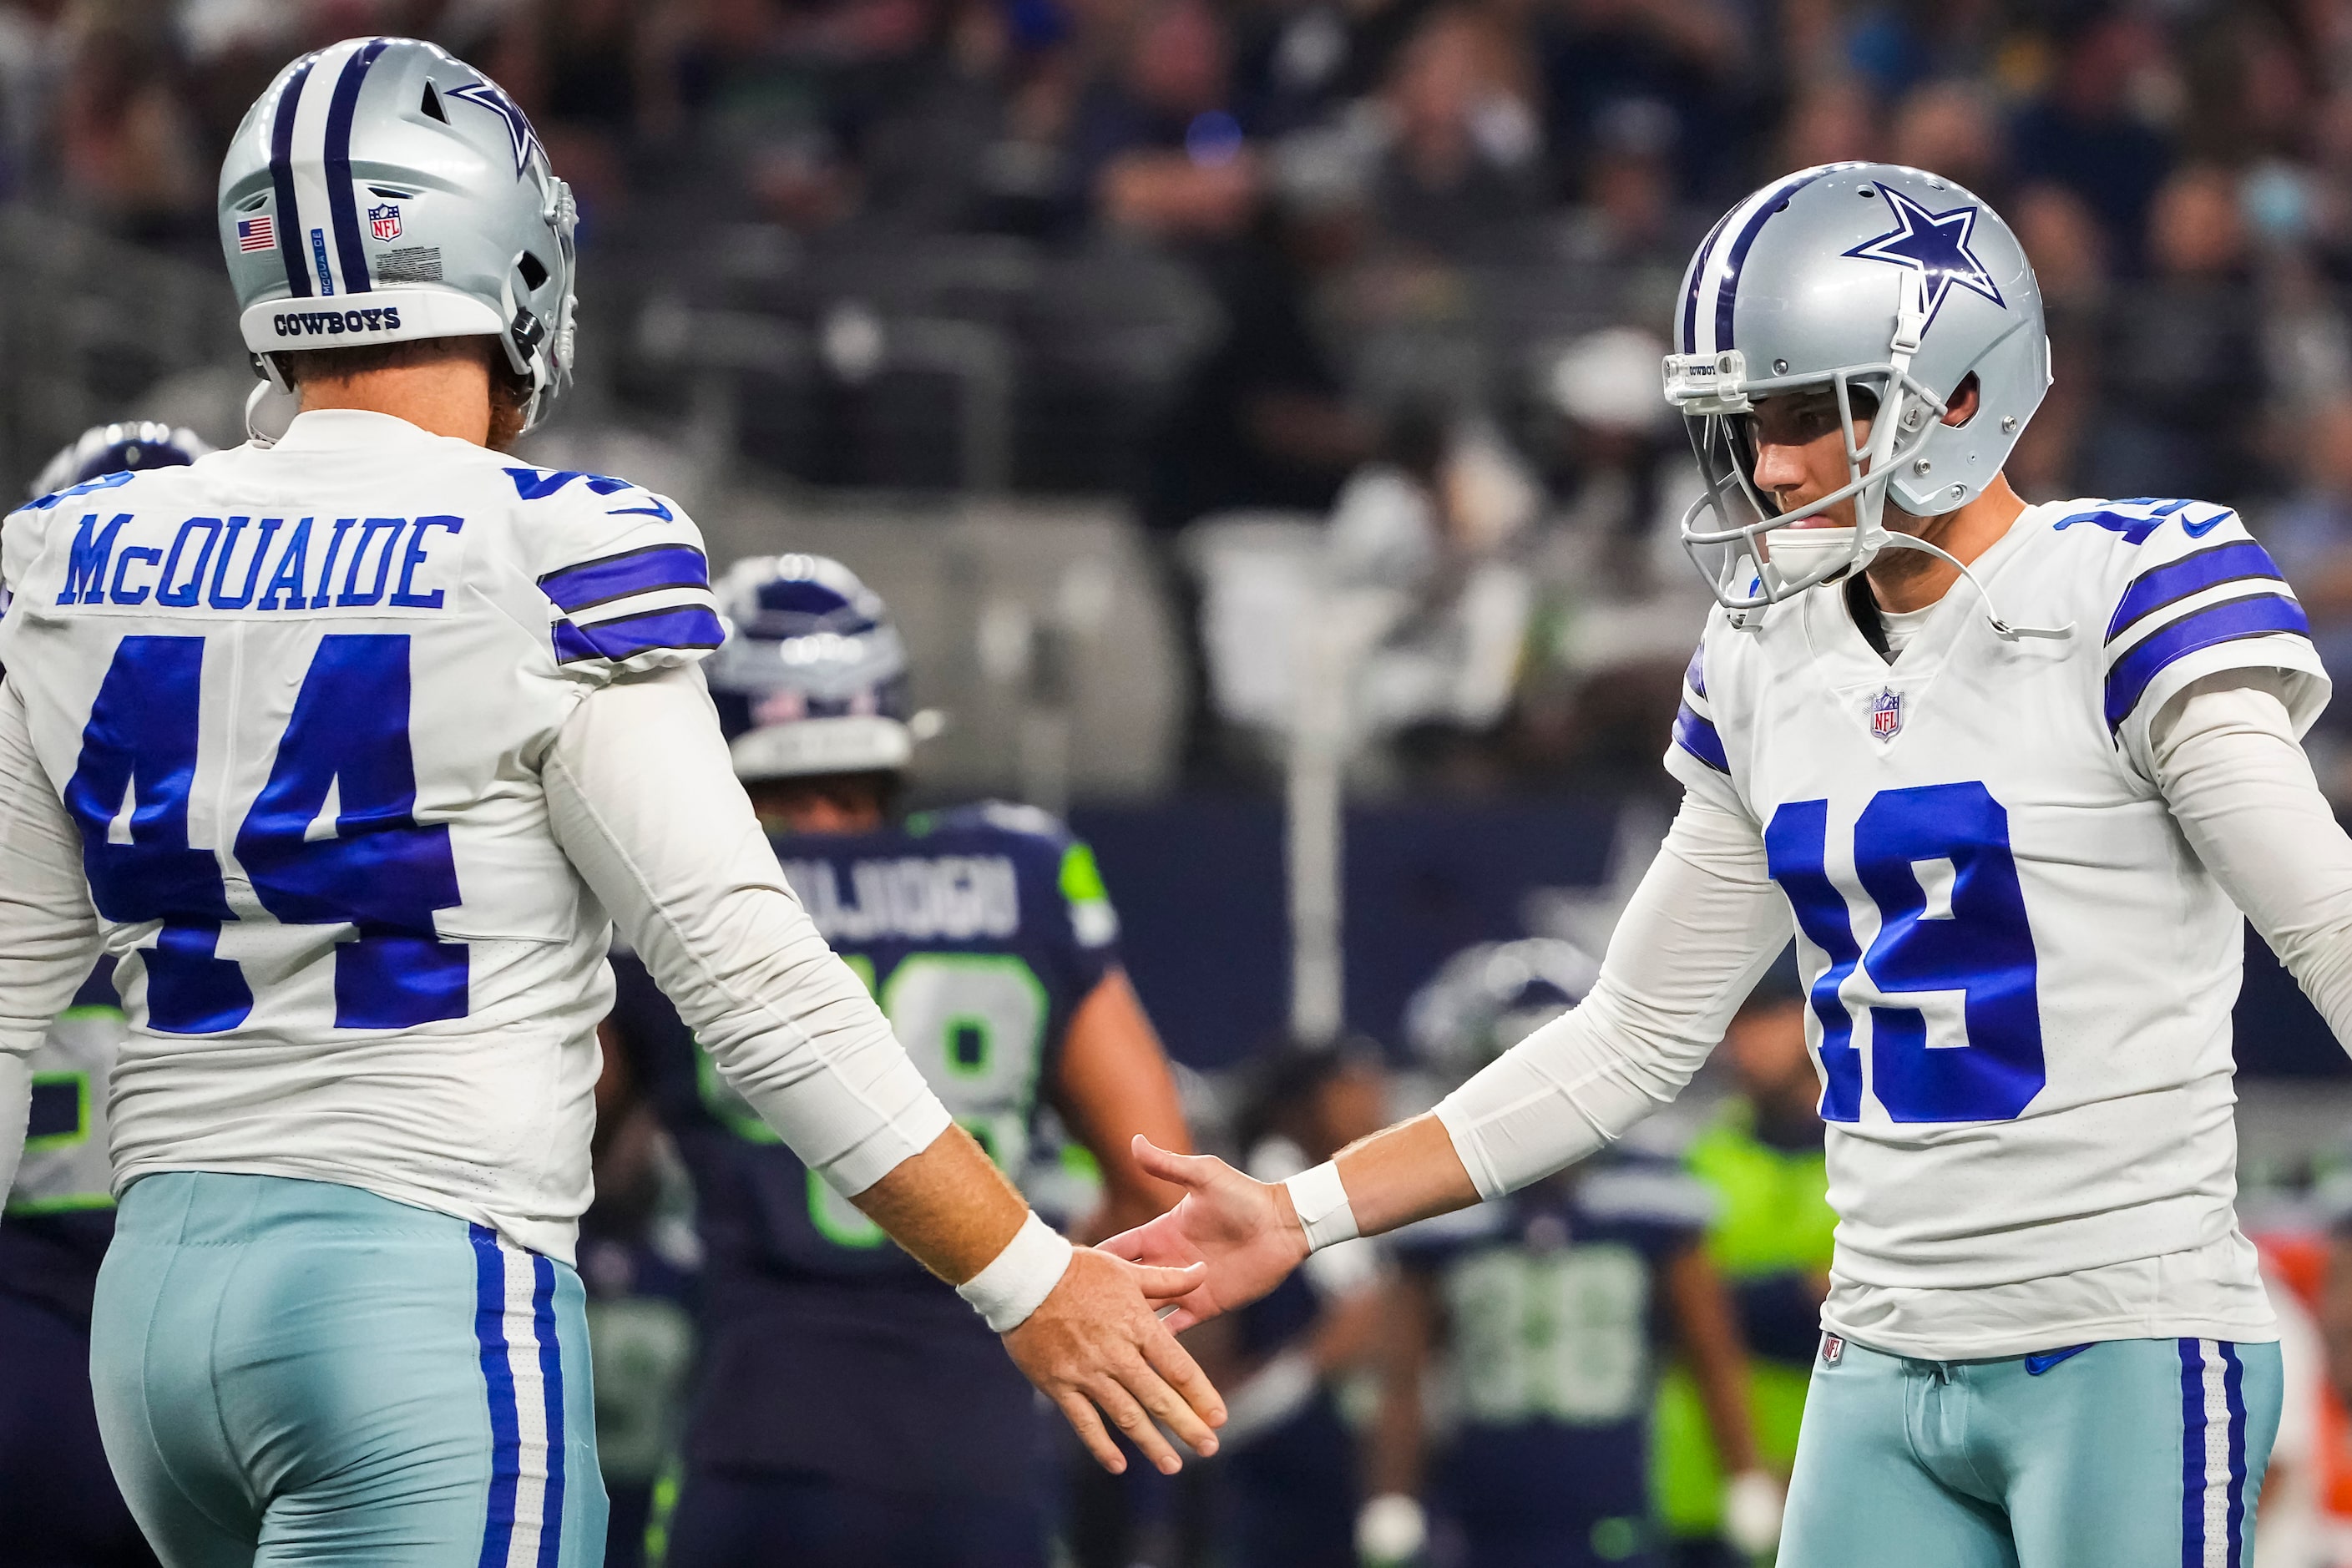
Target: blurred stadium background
(1249,406)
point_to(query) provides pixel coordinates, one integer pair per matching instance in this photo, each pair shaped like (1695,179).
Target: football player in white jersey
(353,750)
(2010,773)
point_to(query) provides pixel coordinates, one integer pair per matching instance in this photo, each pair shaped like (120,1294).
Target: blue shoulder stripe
(1696,673)
(626,637)
(2241,559)
(2264,615)
(1696,736)
(641,570)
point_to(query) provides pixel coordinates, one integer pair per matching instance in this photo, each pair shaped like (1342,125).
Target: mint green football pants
(297,1373)
(2124,1454)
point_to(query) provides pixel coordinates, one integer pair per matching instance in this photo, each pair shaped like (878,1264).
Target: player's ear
(1964,399)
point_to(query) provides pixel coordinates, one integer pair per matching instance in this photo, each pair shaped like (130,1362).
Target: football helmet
(382,189)
(1488,998)
(813,675)
(1888,287)
(127,447)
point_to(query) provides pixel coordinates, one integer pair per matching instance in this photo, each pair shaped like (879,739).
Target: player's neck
(444,398)
(1903,580)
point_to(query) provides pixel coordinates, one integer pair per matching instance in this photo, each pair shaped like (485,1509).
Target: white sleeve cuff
(1321,1200)
(1022,1276)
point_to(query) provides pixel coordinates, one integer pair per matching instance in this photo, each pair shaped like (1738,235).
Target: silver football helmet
(383,190)
(1861,278)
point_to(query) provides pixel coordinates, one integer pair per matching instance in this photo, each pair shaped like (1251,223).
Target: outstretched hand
(1244,1233)
(1096,1348)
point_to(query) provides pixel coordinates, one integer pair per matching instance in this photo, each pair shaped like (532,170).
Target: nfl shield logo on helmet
(385,221)
(1886,714)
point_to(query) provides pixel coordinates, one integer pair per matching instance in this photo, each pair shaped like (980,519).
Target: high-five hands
(1243,1235)
(1097,1342)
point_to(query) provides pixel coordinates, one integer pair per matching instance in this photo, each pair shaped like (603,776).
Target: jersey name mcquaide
(2019,978)
(238,563)
(296,701)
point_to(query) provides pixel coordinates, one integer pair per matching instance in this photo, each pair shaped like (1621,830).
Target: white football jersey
(296,698)
(2020,976)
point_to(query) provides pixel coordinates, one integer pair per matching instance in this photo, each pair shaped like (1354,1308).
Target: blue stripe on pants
(551,1367)
(2192,1455)
(490,1329)
(2233,1385)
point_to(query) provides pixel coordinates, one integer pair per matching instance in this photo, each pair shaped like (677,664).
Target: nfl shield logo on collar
(385,221)
(1832,1350)
(1886,714)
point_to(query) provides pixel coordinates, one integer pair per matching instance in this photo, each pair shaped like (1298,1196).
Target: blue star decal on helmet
(1936,246)
(492,97)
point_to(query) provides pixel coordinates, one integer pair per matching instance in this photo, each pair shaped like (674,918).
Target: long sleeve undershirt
(643,798)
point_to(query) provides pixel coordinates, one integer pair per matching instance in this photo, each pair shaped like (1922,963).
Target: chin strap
(2001,628)
(1910,326)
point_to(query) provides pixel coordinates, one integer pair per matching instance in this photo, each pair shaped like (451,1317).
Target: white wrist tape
(1022,1275)
(1321,1201)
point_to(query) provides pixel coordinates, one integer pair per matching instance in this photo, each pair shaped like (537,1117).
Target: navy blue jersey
(60,1213)
(1552,1308)
(981,930)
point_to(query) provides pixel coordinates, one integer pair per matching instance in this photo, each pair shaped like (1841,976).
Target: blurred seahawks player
(352,749)
(852,1411)
(1771,1238)
(2012,772)
(62,1504)
(1549,1310)
(1290,1478)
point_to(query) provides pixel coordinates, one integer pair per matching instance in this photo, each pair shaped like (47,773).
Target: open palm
(1245,1232)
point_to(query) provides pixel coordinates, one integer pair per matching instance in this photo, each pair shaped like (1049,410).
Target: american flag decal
(257,234)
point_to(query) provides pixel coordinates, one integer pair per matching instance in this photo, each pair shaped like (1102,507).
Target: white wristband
(1321,1200)
(1022,1275)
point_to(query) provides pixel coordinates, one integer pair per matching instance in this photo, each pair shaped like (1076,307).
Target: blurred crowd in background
(1388,270)
(1339,323)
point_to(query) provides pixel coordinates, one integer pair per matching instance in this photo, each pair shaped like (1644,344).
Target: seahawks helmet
(381,190)
(105,450)
(1488,998)
(813,677)
(1889,287)
(124,447)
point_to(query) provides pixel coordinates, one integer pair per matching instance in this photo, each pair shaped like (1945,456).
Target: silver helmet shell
(1851,277)
(811,678)
(382,189)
